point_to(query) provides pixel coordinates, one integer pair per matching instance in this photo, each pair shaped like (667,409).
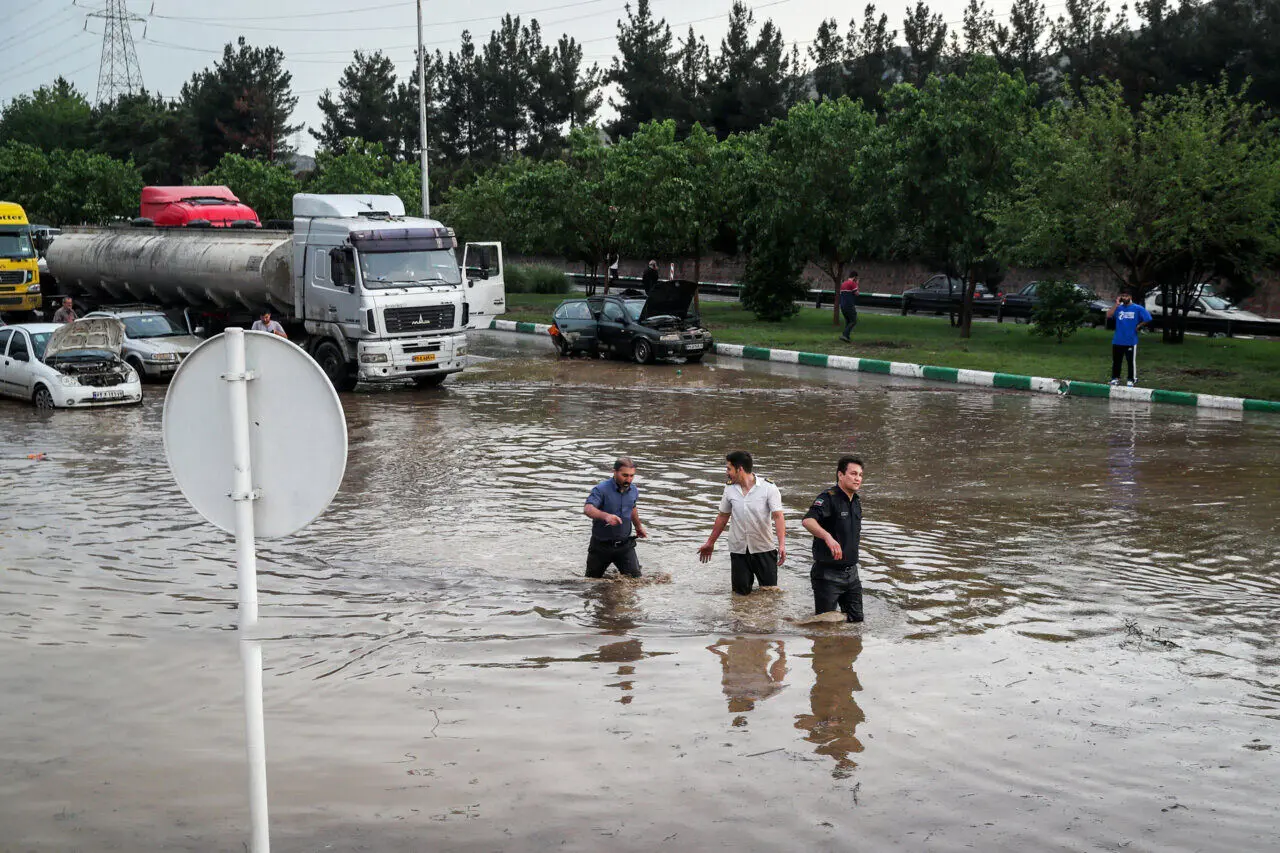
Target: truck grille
(13,277)
(399,320)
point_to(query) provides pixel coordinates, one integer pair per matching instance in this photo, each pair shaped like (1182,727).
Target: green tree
(643,71)
(266,187)
(1061,308)
(827,52)
(242,105)
(366,106)
(925,34)
(51,117)
(366,168)
(693,72)
(24,169)
(1182,192)
(152,130)
(954,145)
(750,80)
(869,57)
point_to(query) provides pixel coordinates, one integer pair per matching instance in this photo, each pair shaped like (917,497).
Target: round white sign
(297,434)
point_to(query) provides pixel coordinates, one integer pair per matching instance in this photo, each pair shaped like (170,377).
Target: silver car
(154,345)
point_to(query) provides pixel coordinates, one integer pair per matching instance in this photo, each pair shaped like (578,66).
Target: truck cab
(383,291)
(19,262)
(195,207)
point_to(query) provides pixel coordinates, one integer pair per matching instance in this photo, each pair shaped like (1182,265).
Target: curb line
(961,376)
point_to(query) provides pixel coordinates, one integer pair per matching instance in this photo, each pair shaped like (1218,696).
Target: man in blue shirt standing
(1129,319)
(611,506)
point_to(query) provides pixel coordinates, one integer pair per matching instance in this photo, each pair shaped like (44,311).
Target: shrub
(535,278)
(1061,308)
(771,283)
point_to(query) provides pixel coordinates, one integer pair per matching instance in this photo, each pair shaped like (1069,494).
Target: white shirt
(751,517)
(274,327)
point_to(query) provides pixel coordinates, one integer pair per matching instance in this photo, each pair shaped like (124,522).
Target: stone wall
(898,276)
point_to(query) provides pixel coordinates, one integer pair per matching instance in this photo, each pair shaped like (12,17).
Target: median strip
(959,376)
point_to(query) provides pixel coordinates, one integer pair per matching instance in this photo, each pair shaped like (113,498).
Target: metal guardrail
(1203,325)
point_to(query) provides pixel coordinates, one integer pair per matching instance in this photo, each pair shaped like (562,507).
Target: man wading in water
(835,520)
(754,506)
(611,506)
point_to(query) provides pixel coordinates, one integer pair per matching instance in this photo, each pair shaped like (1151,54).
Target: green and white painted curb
(982,378)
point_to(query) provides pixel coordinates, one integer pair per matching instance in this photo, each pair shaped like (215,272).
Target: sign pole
(422,117)
(243,495)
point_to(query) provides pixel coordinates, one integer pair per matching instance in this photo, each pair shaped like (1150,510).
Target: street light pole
(422,117)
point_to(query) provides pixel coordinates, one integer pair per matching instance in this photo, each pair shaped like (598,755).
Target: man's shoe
(846,340)
(1129,383)
(1115,381)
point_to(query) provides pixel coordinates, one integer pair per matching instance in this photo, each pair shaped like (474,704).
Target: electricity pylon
(118,72)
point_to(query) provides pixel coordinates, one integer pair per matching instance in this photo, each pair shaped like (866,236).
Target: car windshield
(151,326)
(634,309)
(40,340)
(16,243)
(382,270)
(1216,303)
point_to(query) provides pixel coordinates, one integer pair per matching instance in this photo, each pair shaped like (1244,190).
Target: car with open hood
(635,326)
(154,345)
(67,365)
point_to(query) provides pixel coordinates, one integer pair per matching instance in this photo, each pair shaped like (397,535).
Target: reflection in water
(1122,465)
(623,652)
(749,672)
(834,715)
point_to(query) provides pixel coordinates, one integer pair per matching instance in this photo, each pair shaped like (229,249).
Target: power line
(47,23)
(235,25)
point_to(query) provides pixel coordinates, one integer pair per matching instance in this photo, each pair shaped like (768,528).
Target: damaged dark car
(633,326)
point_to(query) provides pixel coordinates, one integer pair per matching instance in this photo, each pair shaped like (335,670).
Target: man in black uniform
(835,520)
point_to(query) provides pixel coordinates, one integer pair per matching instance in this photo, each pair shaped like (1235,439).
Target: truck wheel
(330,359)
(643,351)
(42,399)
(433,381)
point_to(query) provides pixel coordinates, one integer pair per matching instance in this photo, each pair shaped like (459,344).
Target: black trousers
(748,567)
(603,553)
(1119,353)
(837,587)
(850,318)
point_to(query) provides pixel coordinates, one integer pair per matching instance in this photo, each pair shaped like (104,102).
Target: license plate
(693,347)
(108,395)
(425,357)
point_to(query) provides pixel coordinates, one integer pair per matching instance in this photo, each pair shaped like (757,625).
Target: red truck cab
(215,207)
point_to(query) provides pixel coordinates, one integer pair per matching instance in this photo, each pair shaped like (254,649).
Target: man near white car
(752,510)
(1129,319)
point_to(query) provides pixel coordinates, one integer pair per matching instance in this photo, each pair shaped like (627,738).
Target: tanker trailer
(371,294)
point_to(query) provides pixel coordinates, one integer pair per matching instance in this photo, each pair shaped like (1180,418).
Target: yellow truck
(19,270)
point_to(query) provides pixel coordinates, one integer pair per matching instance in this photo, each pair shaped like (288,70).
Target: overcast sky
(41,39)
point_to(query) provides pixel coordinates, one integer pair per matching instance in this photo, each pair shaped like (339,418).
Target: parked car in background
(1021,304)
(154,345)
(1204,305)
(631,325)
(67,365)
(946,293)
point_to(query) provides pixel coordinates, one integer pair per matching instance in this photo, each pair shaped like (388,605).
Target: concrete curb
(960,376)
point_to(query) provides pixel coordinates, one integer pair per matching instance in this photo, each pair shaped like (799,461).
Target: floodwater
(1072,622)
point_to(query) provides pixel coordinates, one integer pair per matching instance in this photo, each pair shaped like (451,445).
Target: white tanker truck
(371,294)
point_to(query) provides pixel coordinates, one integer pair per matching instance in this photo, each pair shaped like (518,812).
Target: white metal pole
(422,117)
(242,493)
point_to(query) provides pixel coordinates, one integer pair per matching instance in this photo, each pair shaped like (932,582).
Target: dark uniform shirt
(607,497)
(840,516)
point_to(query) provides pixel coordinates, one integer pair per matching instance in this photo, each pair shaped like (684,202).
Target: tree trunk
(966,309)
(838,278)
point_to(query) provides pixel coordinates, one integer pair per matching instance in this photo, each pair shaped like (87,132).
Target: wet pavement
(1070,640)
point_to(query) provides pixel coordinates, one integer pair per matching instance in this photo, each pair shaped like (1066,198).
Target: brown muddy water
(1072,616)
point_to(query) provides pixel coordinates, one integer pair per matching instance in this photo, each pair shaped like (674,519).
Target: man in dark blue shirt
(1124,343)
(835,520)
(611,506)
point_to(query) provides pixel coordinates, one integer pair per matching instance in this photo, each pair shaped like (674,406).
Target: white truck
(371,294)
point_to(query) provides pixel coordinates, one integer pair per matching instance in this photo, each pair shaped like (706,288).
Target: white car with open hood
(71,365)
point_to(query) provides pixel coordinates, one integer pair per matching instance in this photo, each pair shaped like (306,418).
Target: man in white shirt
(266,324)
(752,510)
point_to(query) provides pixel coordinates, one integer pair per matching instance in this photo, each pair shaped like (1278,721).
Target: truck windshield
(383,270)
(15,243)
(151,326)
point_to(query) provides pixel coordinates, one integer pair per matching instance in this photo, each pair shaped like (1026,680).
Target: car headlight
(69,381)
(373,358)
(460,351)
(669,339)
(35,288)
(163,356)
